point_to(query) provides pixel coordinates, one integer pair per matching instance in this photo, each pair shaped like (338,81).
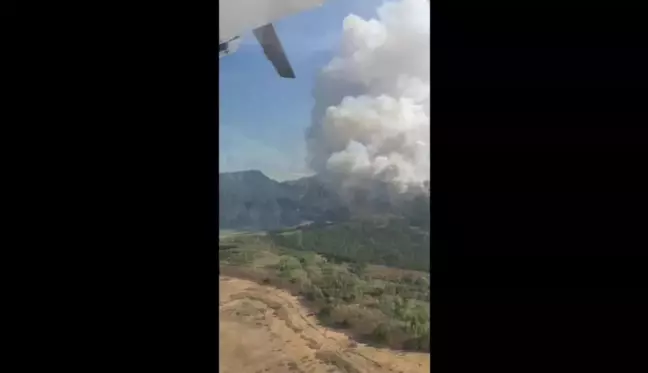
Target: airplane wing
(239,16)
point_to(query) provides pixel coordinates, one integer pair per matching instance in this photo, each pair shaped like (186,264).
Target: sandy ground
(264,329)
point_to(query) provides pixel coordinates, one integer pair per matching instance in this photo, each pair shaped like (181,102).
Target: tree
(358,267)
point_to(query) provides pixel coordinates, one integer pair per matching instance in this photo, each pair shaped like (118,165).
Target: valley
(310,282)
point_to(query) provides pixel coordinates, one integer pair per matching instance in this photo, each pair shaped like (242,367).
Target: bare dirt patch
(264,329)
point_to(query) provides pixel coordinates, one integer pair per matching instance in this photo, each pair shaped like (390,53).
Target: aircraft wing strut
(240,16)
(272,48)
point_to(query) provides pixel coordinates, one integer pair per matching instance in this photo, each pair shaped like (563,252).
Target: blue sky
(262,116)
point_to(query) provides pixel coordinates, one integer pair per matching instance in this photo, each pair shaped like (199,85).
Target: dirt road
(264,329)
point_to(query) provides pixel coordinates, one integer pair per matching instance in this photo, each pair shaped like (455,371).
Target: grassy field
(376,304)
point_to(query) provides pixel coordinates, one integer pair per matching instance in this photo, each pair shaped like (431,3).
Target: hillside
(249,200)
(387,241)
(266,329)
(383,306)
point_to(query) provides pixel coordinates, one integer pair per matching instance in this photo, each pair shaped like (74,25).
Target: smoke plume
(370,124)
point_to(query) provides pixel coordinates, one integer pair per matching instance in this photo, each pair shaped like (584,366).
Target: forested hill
(388,241)
(249,200)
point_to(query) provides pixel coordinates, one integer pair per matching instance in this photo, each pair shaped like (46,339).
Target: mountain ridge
(250,200)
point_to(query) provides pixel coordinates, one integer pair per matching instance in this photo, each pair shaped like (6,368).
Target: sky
(263,117)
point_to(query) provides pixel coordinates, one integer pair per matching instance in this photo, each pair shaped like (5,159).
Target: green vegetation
(376,304)
(393,242)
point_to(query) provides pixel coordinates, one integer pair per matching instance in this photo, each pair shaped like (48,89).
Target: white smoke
(370,123)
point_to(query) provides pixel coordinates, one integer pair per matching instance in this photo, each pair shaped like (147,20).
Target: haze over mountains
(249,200)
(368,138)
